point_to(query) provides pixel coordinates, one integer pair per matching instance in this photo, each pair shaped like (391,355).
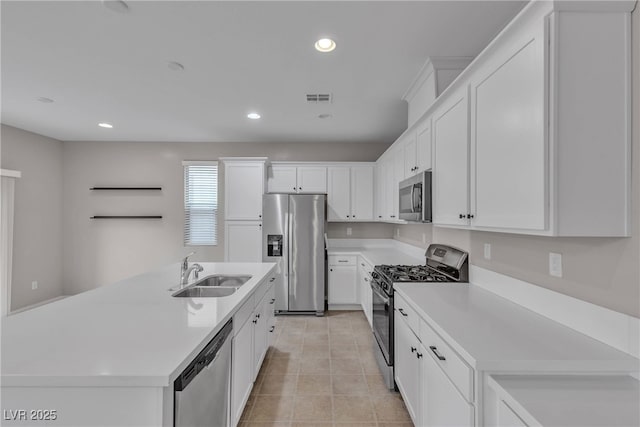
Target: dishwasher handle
(204,358)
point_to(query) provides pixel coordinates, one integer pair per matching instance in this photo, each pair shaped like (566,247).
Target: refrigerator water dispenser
(274,245)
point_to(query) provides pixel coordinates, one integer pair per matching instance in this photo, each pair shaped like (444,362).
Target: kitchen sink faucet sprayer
(185,270)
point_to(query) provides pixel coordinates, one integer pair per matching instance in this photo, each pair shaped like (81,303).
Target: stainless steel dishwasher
(201,392)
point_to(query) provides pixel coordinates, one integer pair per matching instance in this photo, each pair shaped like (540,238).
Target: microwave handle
(413,205)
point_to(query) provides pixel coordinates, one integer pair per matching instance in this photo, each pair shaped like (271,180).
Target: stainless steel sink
(205,292)
(224,280)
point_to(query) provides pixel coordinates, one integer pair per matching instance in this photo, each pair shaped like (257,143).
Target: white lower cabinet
(364,280)
(443,403)
(343,280)
(407,367)
(243,241)
(435,383)
(253,331)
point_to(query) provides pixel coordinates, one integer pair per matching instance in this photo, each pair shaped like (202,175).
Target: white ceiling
(103,66)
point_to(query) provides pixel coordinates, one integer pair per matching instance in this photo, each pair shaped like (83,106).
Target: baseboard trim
(38,304)
(616,329)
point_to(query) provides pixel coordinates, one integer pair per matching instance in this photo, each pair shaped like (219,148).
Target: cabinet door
(244,186)
(241,370)
(444,406)
(508,136)
(312,179)
(362,193)
(260,322)
(339,194)
(343,285)
(407,367)
(243,241)
(410,159)
(450,162)
(398,170)
(270,314)
(391,191)
(379,212)
(423,149)
(282,179)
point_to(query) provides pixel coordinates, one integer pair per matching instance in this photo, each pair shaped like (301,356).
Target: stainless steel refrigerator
(293,227)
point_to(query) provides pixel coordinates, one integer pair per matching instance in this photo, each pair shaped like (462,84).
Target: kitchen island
(109,356)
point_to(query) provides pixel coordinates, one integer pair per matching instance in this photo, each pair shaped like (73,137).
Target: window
(200,203)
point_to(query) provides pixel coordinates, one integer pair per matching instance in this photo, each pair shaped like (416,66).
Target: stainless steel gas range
(443,264)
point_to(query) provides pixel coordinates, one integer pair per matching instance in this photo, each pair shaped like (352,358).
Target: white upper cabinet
(533,138)
(362,193)
(312,179)
(282,179)
(297,179)
(339,195)
(391,190)
(244,186)
(409,146)
(451,150)
(508,128)
(423,146)
(350,193)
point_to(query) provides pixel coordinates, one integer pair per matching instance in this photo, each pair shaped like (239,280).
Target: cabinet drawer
(460,374)
(342,259)
(262,290)
(364,265)
(407,313)
(242,315)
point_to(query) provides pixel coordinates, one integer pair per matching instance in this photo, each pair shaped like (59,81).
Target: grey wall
(99,252)
(37,252)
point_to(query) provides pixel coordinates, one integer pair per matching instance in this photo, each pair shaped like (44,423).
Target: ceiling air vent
(316,98)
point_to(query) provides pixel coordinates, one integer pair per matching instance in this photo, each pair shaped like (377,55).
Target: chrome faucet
(186,270)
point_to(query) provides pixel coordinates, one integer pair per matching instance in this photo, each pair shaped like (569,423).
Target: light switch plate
(487,251)
(555,264)
(349,231)
(34,285)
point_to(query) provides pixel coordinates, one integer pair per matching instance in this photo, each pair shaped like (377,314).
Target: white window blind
(200,203)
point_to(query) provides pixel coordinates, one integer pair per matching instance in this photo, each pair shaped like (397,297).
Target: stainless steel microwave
(415,198)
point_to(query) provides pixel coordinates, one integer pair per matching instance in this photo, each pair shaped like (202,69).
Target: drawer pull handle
(435,351)
(402,312)
(273,328)
(272,279)
(413,349)
(343,260)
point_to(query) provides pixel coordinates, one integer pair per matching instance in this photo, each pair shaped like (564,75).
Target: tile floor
(321,372)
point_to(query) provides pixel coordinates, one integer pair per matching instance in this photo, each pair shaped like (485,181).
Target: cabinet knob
(299,188)
(331,269)
(258,316)
(259,225)
(379,216)
(255,321)
(259,216)
(273,328)
(353,216)
(413,349)
(418,355)
(272,300)
(461,216)
(469,216)
(348,216)
(294,188)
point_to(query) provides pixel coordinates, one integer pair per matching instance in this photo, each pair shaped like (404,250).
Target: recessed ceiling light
(105,125)
(325,45)
(116,5)
(175,66)
(325,116)
(253,116)
(44,100)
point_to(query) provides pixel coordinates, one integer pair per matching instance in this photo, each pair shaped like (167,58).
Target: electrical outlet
(34,285)
(397,232)
(349,231)
(424,237)
(555,264)
(487,251)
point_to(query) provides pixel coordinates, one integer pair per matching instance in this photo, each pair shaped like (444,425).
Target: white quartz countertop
(381,254)
(576,400)
(495,334)
(130,333)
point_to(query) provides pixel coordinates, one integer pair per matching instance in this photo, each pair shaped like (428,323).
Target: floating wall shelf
(126,188)
(126,217)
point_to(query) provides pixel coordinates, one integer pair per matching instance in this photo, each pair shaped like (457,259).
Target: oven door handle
(385,298)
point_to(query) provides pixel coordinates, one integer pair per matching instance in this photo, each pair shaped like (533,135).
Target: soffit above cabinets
(233,58)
